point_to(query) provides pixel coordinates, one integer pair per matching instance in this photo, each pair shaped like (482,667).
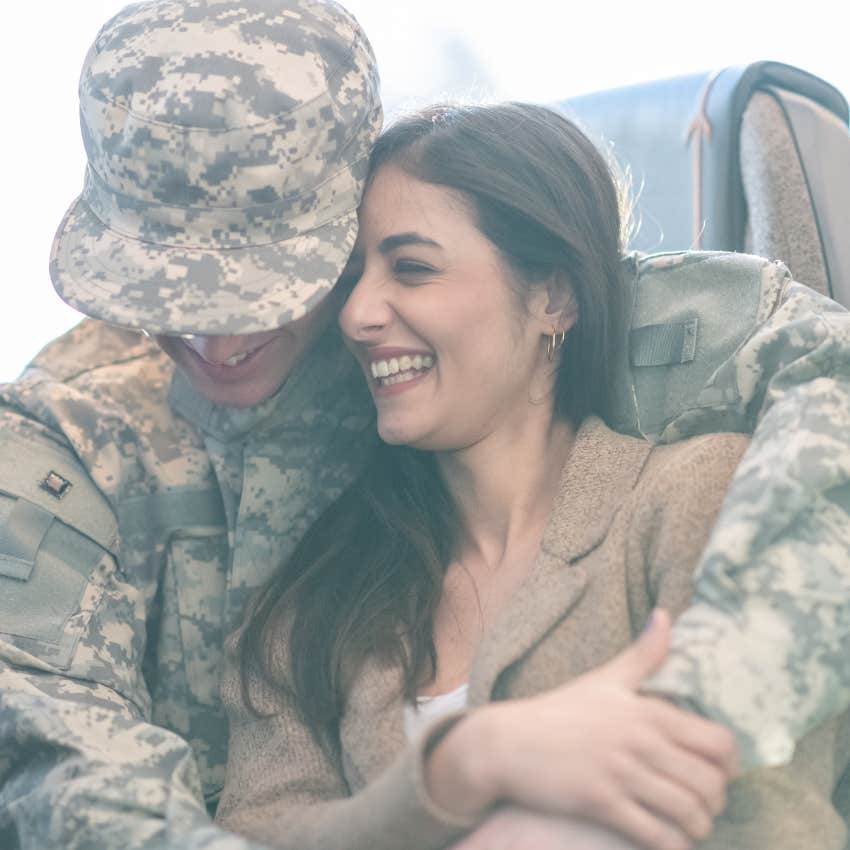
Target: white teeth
(401,378)
(399,369)
(236,359)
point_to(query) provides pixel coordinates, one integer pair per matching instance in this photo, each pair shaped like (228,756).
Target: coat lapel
(549,592)
(600,472)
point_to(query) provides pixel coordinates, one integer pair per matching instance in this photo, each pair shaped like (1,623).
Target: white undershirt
(428,709)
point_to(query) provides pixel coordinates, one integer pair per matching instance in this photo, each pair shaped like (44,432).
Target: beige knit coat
(624,536)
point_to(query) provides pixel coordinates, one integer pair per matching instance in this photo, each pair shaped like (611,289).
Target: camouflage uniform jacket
(117,593)
(135,518)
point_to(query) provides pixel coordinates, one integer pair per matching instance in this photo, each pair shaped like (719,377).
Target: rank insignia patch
(56,485)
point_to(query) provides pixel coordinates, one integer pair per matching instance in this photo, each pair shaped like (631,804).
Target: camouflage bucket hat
(227,145)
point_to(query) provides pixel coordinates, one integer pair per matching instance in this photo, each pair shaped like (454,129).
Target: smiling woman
(499,524)
(448,265)
(453,634)
(447,301)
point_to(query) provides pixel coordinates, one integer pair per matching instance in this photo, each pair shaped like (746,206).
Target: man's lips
(221,371)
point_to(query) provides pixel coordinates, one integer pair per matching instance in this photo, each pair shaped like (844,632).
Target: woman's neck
(505,485)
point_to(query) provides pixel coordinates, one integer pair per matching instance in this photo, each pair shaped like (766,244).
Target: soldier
(140,503)
(227,146)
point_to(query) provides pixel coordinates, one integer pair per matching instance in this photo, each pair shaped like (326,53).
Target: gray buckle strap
(663,345)
(21,537)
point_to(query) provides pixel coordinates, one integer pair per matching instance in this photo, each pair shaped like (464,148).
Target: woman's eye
(411,268)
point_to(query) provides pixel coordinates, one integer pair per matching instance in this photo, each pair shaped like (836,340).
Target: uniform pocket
(55,528)
(45,567)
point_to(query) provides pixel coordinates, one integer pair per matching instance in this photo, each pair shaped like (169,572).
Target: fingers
(702,737)
(701,780)
(644,656)
(676,803)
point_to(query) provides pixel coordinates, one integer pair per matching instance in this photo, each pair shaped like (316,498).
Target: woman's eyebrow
(400,239)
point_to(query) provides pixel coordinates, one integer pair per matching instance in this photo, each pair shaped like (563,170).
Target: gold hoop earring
(554,343)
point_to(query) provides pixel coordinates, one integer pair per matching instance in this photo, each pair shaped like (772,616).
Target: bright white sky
(533,49)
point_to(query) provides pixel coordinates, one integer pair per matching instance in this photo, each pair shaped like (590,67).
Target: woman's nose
(367,311)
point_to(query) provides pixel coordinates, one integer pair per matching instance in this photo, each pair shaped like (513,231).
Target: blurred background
(540,50)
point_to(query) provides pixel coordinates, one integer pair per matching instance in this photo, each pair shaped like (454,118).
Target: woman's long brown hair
(367,577)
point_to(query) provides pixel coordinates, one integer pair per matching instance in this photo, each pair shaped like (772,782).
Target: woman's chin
(393,436)
(398,433)
(416,438)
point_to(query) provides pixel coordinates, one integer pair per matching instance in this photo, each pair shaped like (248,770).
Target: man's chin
(240,396)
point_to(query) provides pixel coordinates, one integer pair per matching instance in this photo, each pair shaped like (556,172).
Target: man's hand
(594,749)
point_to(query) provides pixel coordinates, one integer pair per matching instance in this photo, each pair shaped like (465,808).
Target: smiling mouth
(398,370)
(231,362)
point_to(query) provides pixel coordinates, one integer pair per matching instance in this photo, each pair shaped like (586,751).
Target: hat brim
(165,289)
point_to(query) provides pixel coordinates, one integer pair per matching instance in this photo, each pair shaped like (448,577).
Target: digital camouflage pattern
(207,500)
(227,145)
(136,517)
(764,646)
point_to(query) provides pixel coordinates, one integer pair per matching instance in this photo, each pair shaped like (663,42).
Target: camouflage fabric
(111,726)
(227,145)
(763,648)
(111,734)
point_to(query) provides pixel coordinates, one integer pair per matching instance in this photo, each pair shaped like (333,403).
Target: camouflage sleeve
(81,768)
(763,647)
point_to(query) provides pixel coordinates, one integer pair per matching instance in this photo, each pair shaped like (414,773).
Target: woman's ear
(561,307)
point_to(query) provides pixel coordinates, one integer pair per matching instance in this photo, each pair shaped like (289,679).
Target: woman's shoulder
(714,455)
(616,474)
(674,506)
(682,485)
(704,459)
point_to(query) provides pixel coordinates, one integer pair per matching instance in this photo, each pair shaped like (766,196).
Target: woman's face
(451,352)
